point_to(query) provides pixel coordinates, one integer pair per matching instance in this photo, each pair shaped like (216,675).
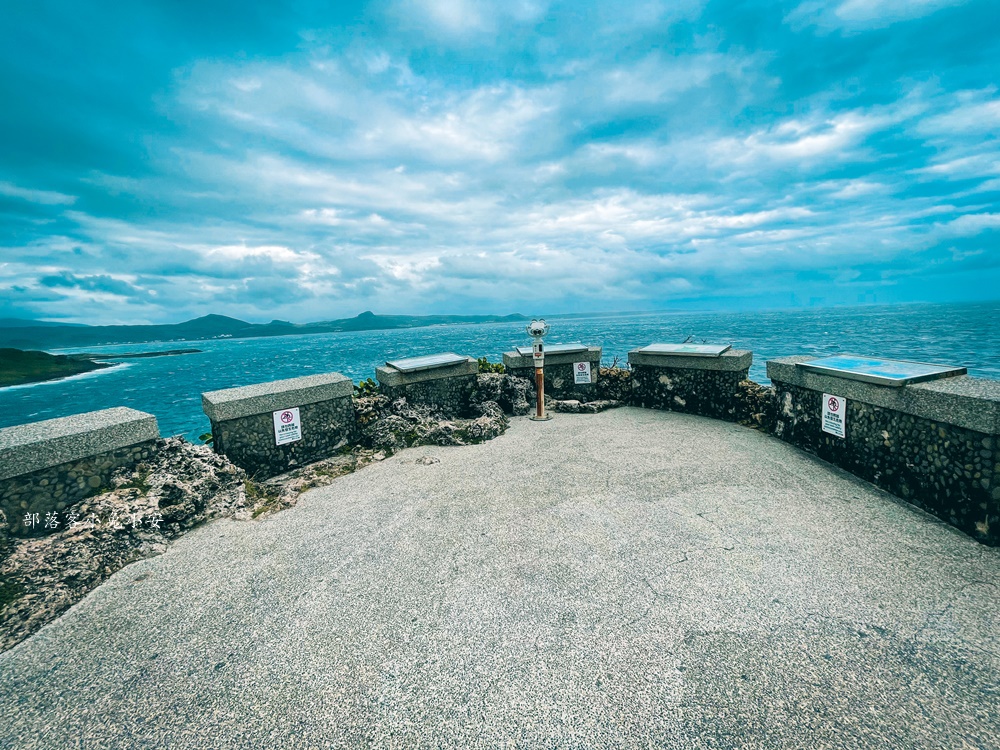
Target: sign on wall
(835,415)
(287,426)
(582,372)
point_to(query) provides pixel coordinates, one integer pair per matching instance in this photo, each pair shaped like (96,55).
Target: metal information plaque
(687,350)
(894,372)
(429,362)
(525,351)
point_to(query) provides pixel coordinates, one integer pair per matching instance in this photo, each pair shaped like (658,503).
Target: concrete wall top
(515,361)
(245,401)
(730,361)
(390,376)
(40,445)
(972,403)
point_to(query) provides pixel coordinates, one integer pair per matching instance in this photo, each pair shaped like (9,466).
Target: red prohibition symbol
(833,403)
(581,367)
(286,417)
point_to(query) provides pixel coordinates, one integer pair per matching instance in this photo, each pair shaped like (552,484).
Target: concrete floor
(628,579)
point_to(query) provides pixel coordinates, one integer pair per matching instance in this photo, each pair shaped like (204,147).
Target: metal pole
(537,330)
(540,390)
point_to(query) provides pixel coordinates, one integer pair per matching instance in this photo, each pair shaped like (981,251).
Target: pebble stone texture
(243,424)
(947,463)
(448,390)
(49,465)
(559,373)
(695,385)
(628,579)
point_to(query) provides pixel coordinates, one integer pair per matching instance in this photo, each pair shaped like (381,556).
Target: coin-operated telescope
(537,330)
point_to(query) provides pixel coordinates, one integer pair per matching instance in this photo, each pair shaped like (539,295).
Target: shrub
(365,388)
(486,366)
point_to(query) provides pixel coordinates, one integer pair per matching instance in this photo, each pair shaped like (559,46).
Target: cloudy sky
(310,160)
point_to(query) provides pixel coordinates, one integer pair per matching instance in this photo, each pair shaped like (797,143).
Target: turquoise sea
(171,387)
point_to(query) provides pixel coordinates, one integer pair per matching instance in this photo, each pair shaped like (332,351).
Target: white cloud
(970,225)
(43,197)
(862,15)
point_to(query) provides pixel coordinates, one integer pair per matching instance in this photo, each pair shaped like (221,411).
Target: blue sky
(308,160)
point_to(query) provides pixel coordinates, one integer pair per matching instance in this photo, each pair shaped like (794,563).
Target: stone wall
(559,373)
(46,467)
(708,386)
(950,470)
(243,423)
(446,390)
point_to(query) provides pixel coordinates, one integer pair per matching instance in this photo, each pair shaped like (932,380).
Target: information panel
(895,372)
(687,350)
(525,351)
(429,362)
(287,426)
(582,372)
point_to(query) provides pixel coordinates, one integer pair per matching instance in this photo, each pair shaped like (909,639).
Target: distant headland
(29,334)
(19,367)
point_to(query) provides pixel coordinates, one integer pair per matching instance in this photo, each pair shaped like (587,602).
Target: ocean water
(171,387)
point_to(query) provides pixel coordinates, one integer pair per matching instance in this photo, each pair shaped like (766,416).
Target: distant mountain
(40,335)
(25,322)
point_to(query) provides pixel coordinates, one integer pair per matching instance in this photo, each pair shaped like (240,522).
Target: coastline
(104,368)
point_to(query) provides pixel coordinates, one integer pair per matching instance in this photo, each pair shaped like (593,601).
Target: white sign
(287,426)
(582,372)
(834,415)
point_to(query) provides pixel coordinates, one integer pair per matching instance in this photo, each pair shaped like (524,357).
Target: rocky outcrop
(756,405)
(392,425)
(178,487)
(614,384)
(571,406)
(514,395)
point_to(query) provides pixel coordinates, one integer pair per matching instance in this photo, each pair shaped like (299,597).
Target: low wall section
(46,467)
(251,423)
(448,390)
(560,372)
(933,444)
(696,385)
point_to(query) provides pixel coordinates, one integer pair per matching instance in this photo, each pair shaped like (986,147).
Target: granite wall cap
(41,445)
(247,400)
(972,403)
(733,360)
(515,361)
(393,378)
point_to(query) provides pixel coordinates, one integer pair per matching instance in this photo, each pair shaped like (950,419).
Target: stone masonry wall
(560,381)
(53,490)
(450,396)
(949,471)
(710,393)
(248,441)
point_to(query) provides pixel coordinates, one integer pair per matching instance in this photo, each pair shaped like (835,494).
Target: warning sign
(582,372)
(835,415)
(287,426)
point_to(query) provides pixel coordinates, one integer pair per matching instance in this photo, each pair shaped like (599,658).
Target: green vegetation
(18,367)
(486,366)
(366,388)
(264,497)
